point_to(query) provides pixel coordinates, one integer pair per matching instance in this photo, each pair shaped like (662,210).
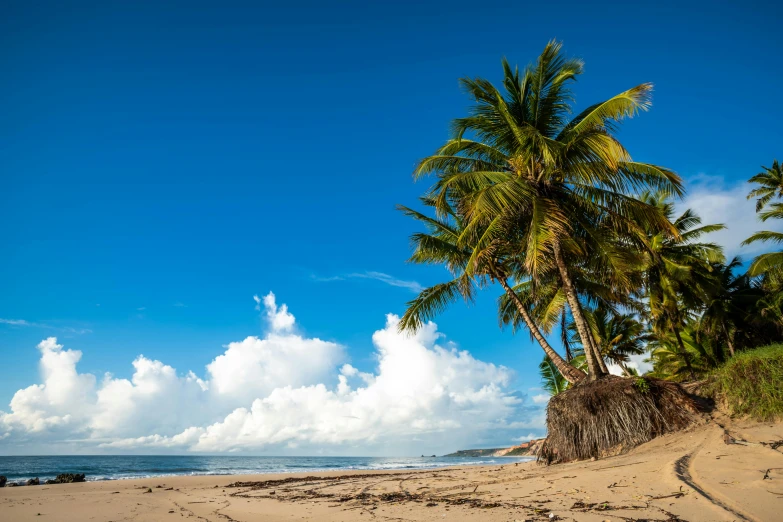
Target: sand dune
(693,476)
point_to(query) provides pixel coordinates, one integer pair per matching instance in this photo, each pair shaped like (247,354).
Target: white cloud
(16,322)
(279,318)
(281,393)
(541,398)
(66,329)
(377,276)
(634,361)
(59,402)
(716,202)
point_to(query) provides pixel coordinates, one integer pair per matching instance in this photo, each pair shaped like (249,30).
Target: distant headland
(526,449)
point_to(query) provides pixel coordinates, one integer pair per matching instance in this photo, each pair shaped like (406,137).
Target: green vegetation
(583,239)
(751,383)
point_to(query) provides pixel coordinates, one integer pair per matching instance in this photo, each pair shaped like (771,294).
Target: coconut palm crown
(518,168)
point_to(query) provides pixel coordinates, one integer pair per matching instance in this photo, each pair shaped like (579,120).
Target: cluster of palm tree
(579,236)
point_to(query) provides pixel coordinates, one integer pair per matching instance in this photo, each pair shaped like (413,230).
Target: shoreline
(20,481)
(687,476)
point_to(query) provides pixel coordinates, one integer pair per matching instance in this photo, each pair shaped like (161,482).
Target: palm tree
(440,246)
(683,357)
(617,335)
(678,272)
(771,185)
(556,188)
(731,299)
(551,379)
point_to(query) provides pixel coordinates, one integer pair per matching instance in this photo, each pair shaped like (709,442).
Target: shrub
(751,383)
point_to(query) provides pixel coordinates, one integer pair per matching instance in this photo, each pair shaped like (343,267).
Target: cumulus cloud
(281,393)
(716,202)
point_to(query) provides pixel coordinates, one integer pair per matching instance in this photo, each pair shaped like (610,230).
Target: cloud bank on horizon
(283,393)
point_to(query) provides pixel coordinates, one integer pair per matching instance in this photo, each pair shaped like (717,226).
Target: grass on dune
(751,383)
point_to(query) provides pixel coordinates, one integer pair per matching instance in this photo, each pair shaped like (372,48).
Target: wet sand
(692,476)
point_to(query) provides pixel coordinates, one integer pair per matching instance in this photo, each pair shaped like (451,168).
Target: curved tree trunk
(593,365)
(599,357)
(570,373)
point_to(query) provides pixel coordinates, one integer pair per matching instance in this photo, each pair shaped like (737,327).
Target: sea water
(126,467)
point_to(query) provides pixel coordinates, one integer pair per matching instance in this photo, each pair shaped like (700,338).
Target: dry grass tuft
(613,414)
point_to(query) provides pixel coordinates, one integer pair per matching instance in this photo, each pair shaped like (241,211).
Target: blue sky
(161,163)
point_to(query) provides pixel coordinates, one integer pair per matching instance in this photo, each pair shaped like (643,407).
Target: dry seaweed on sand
(597,418)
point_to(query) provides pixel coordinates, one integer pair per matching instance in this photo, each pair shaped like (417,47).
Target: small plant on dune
(641,384)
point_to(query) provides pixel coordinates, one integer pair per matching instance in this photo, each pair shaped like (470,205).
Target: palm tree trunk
(728,339)
(570,373)
(564,336)
(576,312)
(599,356)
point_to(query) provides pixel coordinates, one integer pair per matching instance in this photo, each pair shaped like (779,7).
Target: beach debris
(149,490)
(676,494)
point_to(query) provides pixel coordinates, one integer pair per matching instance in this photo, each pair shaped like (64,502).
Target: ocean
(113,467)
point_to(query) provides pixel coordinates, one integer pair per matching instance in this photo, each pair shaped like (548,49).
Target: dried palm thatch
(611,415)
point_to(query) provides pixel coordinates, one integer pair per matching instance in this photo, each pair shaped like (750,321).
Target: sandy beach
(693,475)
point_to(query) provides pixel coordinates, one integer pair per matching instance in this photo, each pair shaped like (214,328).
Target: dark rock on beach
(67,478)
(33,482)
(3,480)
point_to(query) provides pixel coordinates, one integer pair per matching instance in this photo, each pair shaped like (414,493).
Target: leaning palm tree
(440,246)
(518,168)
(770,181)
